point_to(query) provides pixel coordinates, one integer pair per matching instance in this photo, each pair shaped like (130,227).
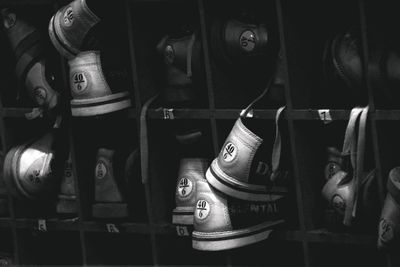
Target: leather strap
(349,142)
(144,142)
(360,156)
(277,148)
(246,111)
(189,56)
(357,155)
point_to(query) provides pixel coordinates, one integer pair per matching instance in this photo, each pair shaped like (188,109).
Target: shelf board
(221,114)
(14,112)
(74,224)
(230,114)
(314,114)
(324,236)
(387,115)
(26,2)
(17,112)
(316,236)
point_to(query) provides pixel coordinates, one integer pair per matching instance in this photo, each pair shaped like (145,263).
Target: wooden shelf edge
(313,236)
(230,114)
(325,236)
(17,112)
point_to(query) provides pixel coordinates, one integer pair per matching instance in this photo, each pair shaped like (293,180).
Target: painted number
(325,115)
(168,114)
(42,225)
(182,230)
(111,228)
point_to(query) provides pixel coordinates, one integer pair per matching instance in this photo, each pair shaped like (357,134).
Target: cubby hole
(388,143)
(313,138)
(183,254)
(326,254)
(169,143)
(270,252)
(14,92)
(56,248)
(116,173)
(243,39)
(382,21)
(20,132)
(265,129)
(6,247)
(118,249)
(4,198)
(312,31)
(163,68)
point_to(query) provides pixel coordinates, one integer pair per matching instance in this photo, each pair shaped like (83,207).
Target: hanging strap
(357,155)
(144,142)
(57,122)
(189,56)
(360,156)
(246,111)
(277,148)
(349,142)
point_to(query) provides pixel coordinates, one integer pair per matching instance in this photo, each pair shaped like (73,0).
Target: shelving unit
(148,236)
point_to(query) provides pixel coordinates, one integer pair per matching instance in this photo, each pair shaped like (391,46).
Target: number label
(42,225)
(79,82)
(68,17)
(168,114)
(247,41)
(185,187)
(230,152)
(182,230)
(325,115)
(111,228)
(202,209)
(101,170)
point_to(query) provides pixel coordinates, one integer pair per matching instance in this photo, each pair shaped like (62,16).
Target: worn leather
(28,168)
(245,39)
(238,45)
(389,224)
(106,186)
(342,64)
(190,171)
(30,67)
(3,190)
(69,27)
(334,162)
(179,55)
(86,76)
(339,189)
(38,87)
(352,192)
(238,152)
(211,212)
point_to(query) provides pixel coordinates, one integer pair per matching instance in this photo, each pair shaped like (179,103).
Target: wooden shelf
(229,114)
(325,236)
(16,112)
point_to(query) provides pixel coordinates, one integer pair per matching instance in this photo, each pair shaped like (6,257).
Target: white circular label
(185,187)
(386,232)
(68,169)
(40,95)
(202,209)
(247,40)
(9,20)
(331,169)
(101,170)
(68,17)
(79,82)
(339,204)
(230,152)
(169,54)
